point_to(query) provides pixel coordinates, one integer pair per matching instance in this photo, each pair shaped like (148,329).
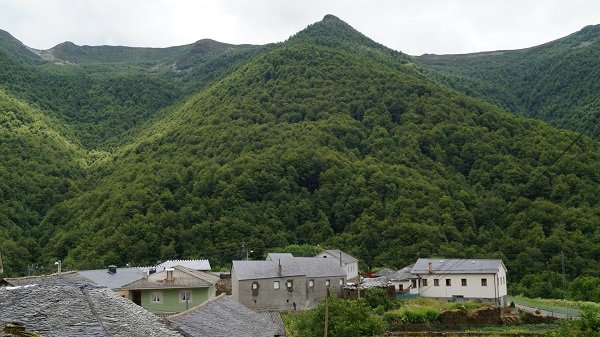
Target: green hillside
(331,139)
(39,168)
(102,93)
(556,82)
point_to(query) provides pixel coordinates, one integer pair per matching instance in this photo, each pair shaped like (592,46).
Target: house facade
(172,290)
(460,279)
(348,262)
(284,282)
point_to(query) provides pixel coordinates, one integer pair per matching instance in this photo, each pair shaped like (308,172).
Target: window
(413,283)
(290,285)
(400,287)
(156,297)
(327,283)
(254,286)
(311,283)
(185,296)
(436,282)
(275,284)
(448,282)
(424,282)
(341,281)
(463,282)
(484,282)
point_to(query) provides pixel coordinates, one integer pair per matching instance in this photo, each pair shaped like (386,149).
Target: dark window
(484,282)
(289,284)
(463,282)
(436,283)
(424,282)
(400,287)
(448,282)
(414,283)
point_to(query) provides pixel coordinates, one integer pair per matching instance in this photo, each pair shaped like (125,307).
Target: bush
(352,318)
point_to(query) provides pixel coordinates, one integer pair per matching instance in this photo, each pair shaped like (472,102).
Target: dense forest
(118,155)
(556,82)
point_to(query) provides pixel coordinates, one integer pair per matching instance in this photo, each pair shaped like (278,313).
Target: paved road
(543,312)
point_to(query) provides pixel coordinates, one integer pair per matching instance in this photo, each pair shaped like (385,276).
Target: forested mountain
(327,139)
(556,82)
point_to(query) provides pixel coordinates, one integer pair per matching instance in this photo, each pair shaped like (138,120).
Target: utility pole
(562,256)
(326,313)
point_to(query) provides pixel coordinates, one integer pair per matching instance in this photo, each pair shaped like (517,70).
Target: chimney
(279,268)
(169,274)
(112,269)
(429,268)
(151,271)
(341,258)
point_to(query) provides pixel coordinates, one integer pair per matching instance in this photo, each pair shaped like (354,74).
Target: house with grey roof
(172,290)
(114,278)
(348,262)
(459,279)
(284,282)
(224,317)
(53,310)
(401,279)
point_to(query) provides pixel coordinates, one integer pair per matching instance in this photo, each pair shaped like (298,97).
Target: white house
(473,279)
(349,263)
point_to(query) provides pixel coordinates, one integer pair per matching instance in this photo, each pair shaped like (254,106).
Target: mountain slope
(102,93)
(39,168)
(555,82)
(339,142)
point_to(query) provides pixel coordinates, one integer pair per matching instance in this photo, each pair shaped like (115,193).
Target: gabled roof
(290,266)
(384,272)
(182,278)
(116,280)
(402,274)
(77,311)
(224,317)
(203,265)
(320,267)
(457,266)
(336,254)
(253,270)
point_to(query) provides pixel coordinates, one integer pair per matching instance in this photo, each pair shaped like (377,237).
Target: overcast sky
(411,26)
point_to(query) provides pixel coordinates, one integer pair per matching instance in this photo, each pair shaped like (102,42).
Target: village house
(460,279)
(172,290)
(284,282)
(348,262)
(114,278)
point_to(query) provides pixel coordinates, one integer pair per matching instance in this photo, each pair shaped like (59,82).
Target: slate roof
(116,280)
(336,254)
(253,270)
(457,266)
(320,267)
(402,274)
(290,266)
(52,279)
(203,265)
(182,278)
(224,317)
(53,310)
(384,272)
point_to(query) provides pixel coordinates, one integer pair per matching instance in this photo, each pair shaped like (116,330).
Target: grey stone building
(284,282)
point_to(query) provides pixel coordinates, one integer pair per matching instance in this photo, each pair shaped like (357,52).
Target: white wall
(351,270)
(473,289)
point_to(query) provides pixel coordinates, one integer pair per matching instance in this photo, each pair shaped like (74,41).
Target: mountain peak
(330,17)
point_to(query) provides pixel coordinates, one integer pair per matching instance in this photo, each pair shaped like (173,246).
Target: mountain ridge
(338,142)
